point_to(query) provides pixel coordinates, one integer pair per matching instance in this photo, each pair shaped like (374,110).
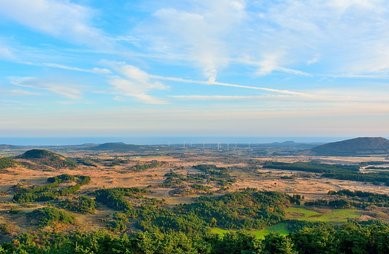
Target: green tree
(317,239)
(277,244)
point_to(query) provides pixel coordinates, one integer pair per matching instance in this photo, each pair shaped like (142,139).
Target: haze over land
(154,140)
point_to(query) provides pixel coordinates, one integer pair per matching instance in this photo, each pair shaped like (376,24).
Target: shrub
(80,204)
(6,163)
(48,215)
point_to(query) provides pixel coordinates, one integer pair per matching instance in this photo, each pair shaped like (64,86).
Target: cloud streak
(226,84)
(94,70)
(61,19)
(130,81)
(68,91)
(309,38)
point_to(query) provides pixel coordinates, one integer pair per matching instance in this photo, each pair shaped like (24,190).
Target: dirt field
(292,182)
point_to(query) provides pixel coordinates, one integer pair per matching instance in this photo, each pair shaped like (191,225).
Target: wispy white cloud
(23,92)
(69,91)
(339,36)
(6,52)
(42,57)
(347,37)
(62,19)
(269,63)
(212,98)
(95,70)
(130,81)
(200,32)
(319,99)
(66,91)
(343,5)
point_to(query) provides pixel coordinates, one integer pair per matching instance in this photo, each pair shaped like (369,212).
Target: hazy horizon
(160,140)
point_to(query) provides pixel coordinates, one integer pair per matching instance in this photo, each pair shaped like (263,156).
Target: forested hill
(47,158)
(356,146)
(116,147)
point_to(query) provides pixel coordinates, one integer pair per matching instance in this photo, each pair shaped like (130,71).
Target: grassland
(246,172)
(321,215)
(299,213)
(280,228)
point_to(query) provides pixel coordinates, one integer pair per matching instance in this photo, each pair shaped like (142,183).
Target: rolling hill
(354,147)
(47,158)
(115,147)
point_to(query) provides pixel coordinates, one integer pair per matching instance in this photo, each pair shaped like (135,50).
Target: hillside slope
(356,146)
(47,158)
(115,147)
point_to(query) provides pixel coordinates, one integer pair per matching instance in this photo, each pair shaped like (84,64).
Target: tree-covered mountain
(116,147)
(356,146)
(47,158)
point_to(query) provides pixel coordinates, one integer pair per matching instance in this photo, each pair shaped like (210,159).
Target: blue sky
(194,67)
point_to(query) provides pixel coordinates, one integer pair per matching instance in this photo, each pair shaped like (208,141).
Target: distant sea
(154,140)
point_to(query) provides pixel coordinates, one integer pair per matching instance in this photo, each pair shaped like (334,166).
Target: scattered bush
(6,163)
(48,215)
(80,204)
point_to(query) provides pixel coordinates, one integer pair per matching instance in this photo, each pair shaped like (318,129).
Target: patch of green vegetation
(80,204)
(173,179)
(79,179)
(198,182)
(147,165)
(335,171)
(300,212)
(371,237)
(280,228)
(247,221)
(6,162)
(85,161)
(375,178)
(48,215)
(116,198)
(110,162)
(311,167)
(220,231)
(322,215)
(167,220)
(209,172)
(200,187)
(244,209)
(50,191)
(340,215)
(377,168)
(367,163)
(363,198)
(333,204)
(118,222)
